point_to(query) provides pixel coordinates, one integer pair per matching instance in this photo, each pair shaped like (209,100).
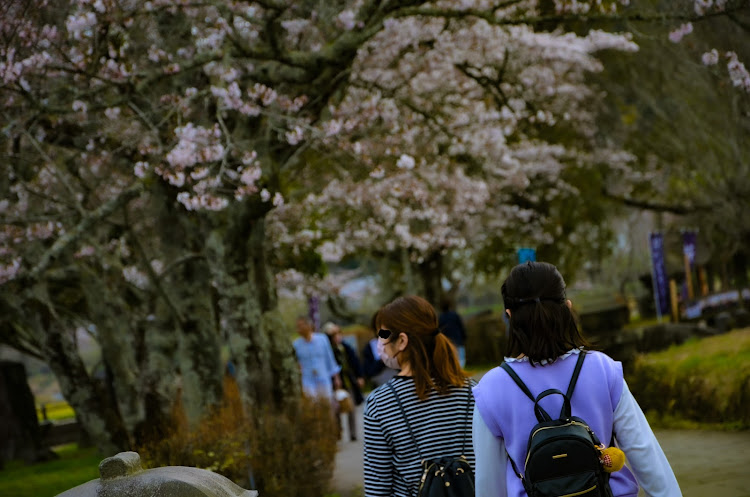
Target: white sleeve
(491,460)
(643,452)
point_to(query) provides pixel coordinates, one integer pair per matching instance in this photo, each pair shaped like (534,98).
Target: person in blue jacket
(318,367)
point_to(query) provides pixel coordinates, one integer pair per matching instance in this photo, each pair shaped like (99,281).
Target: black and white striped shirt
(441,425)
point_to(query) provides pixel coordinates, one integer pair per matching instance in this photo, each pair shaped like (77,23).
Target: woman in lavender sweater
(544,344)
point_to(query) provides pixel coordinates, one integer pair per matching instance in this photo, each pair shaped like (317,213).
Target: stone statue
(123,476)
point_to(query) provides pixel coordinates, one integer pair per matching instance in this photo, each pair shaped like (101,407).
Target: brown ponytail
(432,357)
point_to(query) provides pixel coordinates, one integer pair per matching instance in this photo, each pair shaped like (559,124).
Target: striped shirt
(441,425)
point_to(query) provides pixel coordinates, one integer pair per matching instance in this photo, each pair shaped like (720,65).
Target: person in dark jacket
(352,376)
(452,326)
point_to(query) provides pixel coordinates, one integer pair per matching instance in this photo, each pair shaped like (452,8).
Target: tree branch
(657,207)
(83,227)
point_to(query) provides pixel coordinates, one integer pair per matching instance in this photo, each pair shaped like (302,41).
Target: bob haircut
(432,357)
(542,326)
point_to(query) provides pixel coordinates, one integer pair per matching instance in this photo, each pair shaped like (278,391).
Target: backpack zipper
(582,492)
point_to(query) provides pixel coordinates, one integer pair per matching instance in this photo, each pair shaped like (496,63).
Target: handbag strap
(408,426)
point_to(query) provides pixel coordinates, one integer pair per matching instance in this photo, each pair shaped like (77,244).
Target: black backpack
(562,456)
(446,476)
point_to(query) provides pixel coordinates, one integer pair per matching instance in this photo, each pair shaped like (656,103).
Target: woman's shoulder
(602,358)
(383,395)
(490,376)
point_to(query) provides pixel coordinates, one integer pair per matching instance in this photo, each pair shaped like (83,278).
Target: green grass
(702,383)
(718,356)
(74,467)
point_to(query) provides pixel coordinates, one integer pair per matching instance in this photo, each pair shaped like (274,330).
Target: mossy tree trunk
(199,344)
(239,259)
(95,409)
(115,336)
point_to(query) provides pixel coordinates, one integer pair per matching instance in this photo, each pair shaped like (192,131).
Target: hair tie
(435,333)
(528,301)
(514,302)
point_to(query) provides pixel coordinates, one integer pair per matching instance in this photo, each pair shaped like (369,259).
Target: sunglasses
(385,334)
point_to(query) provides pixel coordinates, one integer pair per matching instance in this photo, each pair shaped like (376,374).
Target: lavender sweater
(509,414)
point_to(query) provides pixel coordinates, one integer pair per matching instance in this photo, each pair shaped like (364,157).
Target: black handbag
(447,476)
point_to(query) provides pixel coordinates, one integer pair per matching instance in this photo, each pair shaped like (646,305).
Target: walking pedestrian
(434,419)
(352,379)
(544,345)
(452,326)
(318,368)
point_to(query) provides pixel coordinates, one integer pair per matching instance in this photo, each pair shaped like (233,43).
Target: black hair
(542,326)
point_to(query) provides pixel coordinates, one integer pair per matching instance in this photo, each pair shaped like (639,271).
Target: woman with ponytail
(424,412)
(544,345)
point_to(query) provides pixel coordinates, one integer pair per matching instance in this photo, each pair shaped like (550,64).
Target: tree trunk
(199,344)
(116,340)
(20,436)
(155,351)
(409,285)
(186,308)
(431,273)
(259,345)
(97,412)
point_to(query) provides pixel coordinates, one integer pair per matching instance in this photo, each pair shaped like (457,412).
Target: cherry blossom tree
(735,13)
(147,142)
(497,121)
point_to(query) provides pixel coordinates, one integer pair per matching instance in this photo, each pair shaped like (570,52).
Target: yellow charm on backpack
(612,458)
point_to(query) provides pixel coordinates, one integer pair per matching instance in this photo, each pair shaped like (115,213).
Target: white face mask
(379,347)
(391,362)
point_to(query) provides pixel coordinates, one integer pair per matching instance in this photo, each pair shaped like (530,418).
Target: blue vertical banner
(314,311)
(526,254)
(659,274)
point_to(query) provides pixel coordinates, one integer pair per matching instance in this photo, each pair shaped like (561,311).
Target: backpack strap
(408,426)
(525,390)
(574,377)
(468,406)
(518,380)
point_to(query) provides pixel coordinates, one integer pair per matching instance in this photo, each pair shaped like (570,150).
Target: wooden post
(703,280)
(673,300)
(689,277)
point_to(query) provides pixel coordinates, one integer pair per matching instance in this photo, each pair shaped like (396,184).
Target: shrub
(280,453)
(705,380)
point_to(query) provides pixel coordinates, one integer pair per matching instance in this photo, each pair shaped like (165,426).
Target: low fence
(60,433)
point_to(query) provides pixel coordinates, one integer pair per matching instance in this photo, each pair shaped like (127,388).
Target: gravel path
(707,464)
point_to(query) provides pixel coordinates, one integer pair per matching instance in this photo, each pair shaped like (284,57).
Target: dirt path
(707,464)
